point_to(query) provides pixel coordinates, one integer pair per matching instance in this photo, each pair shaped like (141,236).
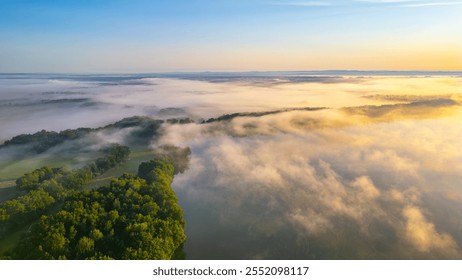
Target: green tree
(129,219)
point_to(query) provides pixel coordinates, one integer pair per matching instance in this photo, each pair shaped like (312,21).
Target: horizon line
(231,72)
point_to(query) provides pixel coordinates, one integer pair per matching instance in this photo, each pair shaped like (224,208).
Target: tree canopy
(135,217)
(45,186)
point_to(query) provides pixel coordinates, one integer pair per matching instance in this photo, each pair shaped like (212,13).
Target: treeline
(177,156)
(229,117)
(147,129)
(43,140)
(135,217)
(46,186)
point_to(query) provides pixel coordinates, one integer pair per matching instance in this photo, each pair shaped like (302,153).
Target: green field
(7,190)
(12,170)
(130,166)
(7,184)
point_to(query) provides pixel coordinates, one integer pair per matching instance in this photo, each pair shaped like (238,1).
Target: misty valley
(56,213)
(258,165)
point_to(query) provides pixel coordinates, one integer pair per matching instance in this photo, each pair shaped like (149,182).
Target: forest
(56,214)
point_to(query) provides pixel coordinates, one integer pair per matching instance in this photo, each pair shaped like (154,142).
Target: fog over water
(316,166)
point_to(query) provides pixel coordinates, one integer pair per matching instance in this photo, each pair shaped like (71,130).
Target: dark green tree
(132,218)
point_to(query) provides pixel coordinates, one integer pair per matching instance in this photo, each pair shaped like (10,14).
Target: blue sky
(225,35)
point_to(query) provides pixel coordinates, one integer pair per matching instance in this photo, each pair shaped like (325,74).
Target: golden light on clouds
(423,235)
(365,167)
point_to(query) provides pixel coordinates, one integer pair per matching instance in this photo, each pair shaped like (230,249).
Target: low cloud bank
(342,185)
(375,174)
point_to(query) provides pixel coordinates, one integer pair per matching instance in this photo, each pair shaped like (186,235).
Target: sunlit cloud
(372,174)
(318,181)
(423,235)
